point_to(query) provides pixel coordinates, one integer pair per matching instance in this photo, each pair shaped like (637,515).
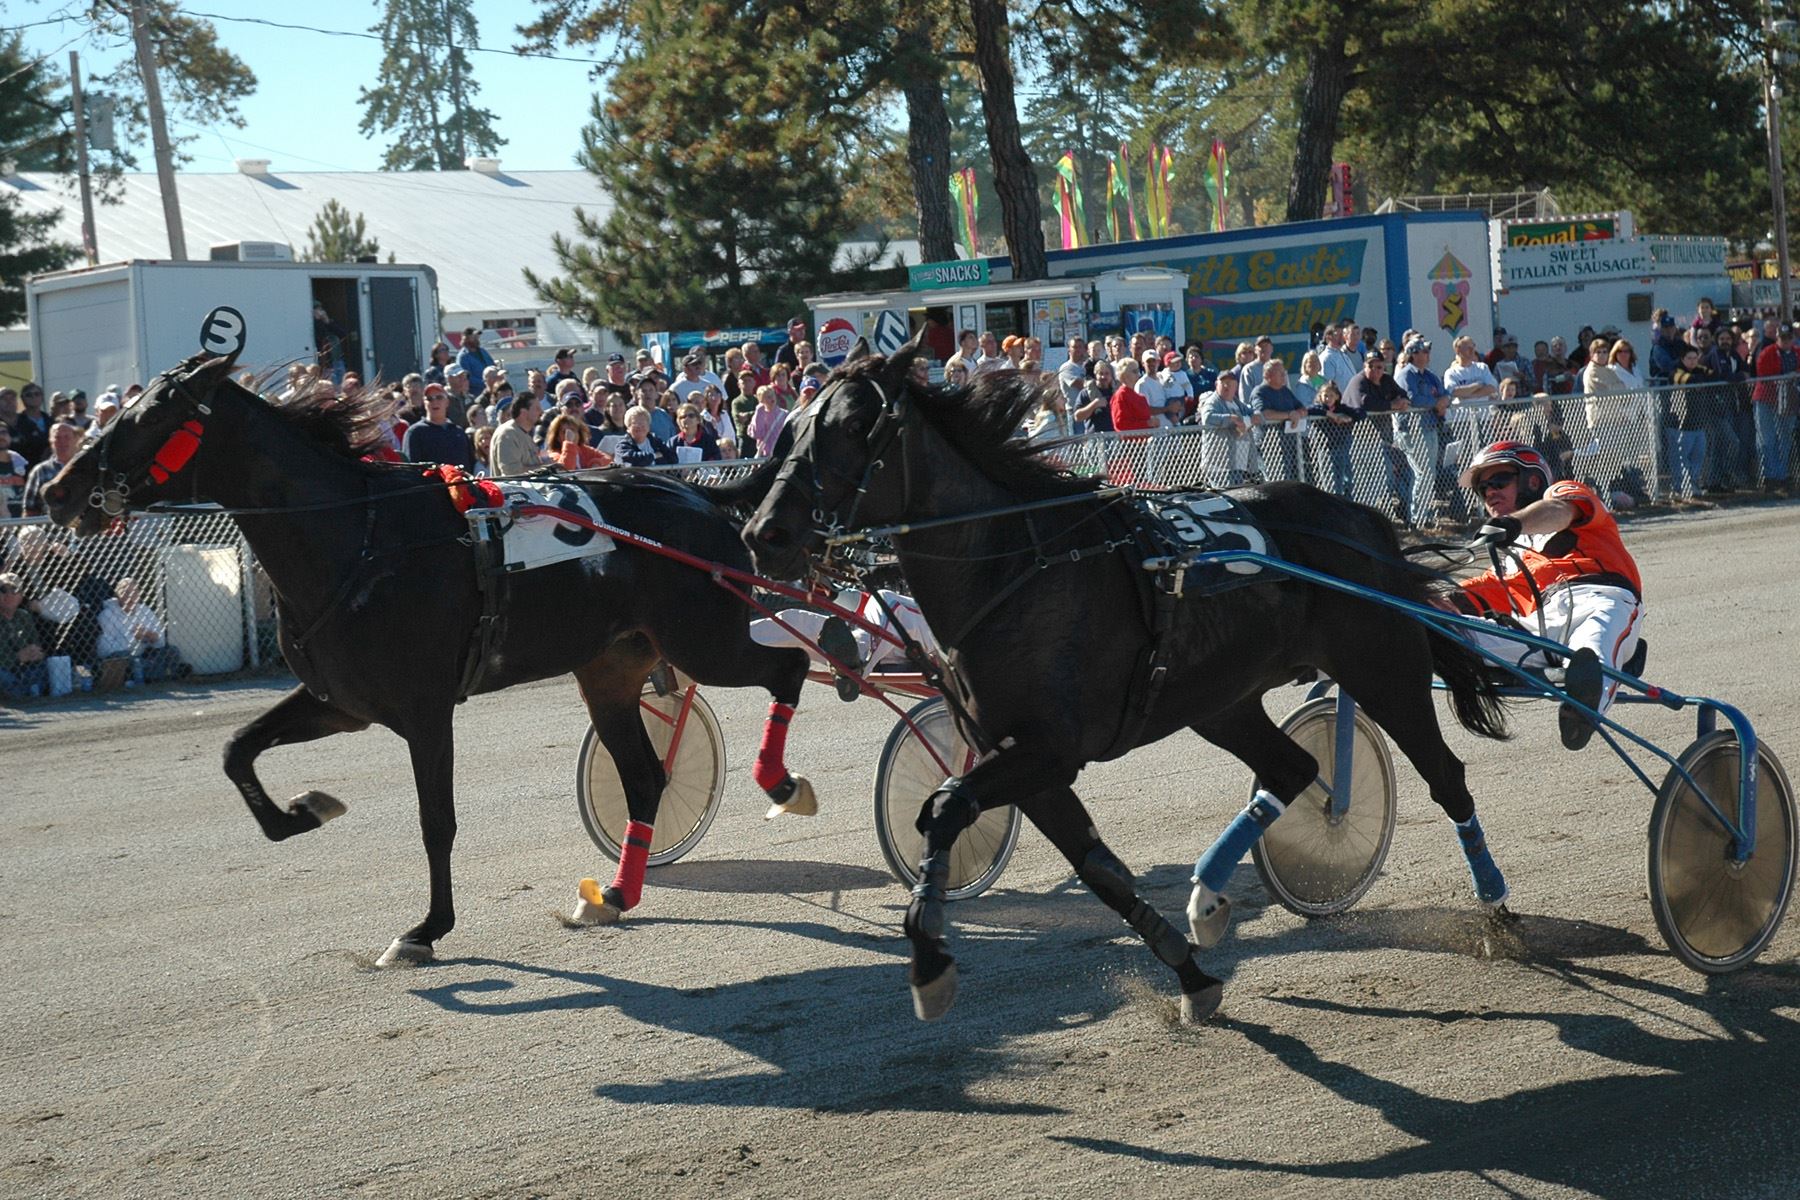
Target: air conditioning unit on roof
(252,252)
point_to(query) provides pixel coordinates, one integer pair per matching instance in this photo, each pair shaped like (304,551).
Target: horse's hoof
(593,908)
(1499,914)
(318,805)
(1198,1007)
(932,1000)
(1209,916)
(803,803)
(405,951)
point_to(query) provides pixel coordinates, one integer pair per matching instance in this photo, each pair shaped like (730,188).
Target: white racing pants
(874,650)
(1606,620)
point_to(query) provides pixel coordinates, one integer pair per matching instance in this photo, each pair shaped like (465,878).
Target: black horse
(1051,642)
(381,611)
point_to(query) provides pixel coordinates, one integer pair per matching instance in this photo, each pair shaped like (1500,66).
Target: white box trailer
(1050,309)
(124,322)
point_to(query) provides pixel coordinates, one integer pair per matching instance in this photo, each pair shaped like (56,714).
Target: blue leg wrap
(1490,885)
(1216,865)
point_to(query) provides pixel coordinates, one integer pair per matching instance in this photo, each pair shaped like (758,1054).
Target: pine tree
(427,97)
(726,176)
(337,235)
(32,135)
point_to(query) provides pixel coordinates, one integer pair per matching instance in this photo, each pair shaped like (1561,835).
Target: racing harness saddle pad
(528,542)
(1186,526)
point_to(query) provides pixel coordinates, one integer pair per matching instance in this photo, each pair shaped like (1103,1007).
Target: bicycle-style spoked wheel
(696,768)
(906,777)
(1717,915)
(1312,862)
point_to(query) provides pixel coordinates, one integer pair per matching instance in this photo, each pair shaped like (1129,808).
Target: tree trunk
(928,147)
(1327,80)
(1014,179)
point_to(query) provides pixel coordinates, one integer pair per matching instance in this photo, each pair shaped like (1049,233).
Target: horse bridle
(890,427)
(111,493)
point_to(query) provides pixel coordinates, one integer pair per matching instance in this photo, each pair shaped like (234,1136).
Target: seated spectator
(22,672)
(641,448)
(567,444)
(131,631)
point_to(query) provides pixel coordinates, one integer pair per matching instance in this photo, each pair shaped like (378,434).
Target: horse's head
(837,474)
(148,452)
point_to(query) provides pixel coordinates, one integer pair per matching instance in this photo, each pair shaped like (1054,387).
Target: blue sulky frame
(1742,831)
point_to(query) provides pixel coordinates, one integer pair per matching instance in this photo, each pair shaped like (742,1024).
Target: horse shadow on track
(1705,1113)
(831,1039)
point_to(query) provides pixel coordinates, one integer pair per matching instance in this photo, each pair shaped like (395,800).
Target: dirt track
(188,1010)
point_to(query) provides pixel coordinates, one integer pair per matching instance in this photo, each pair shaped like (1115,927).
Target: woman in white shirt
(1623,361)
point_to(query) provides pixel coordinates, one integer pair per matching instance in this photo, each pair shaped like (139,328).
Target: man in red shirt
(1571,580)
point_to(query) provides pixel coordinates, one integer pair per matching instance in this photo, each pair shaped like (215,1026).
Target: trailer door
(394,325)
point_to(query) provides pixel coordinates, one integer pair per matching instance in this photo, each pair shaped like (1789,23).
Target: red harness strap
(467,492)
(176,452)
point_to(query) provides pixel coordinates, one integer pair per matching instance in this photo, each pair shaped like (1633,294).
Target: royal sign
(1562,233)
(968,272)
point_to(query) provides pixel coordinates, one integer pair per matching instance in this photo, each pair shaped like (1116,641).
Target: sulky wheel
(682,719)
(906,777)
(1717,915)
(1312,862)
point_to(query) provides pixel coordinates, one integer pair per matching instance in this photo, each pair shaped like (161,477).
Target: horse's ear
(859,351)
(901,361)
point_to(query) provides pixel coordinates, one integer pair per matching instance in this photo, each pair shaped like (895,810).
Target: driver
(856,648)
(1571,579)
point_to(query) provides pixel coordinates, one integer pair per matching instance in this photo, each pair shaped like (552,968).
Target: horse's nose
(772,534)
(56,494)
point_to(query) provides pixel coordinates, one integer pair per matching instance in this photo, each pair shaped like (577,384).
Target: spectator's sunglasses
(1496,481)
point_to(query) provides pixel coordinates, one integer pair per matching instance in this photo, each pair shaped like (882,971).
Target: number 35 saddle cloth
(1178,530)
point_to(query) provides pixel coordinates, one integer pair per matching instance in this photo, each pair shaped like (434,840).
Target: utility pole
(159,131)
(1773,56)
(90,242)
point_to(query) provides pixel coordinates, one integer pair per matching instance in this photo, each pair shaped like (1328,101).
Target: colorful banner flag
(968,206)
(1218,183)
(1156,189)
(1119,175)
(1068,203)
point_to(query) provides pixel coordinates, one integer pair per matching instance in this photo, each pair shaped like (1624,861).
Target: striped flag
(1068,202)
(968,206)
(1218,182)
(1119,172)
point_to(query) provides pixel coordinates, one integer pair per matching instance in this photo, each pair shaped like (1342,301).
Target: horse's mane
(349,427)
(980,419)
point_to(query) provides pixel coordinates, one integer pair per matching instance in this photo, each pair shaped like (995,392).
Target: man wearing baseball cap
(434,439)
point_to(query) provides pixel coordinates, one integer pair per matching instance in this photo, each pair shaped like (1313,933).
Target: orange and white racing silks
(1591,592)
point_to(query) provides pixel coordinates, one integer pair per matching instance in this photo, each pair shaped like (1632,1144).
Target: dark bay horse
(376,587)
(1049,638)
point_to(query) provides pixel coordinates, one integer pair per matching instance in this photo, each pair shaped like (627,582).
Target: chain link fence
(165,596)
(159,596)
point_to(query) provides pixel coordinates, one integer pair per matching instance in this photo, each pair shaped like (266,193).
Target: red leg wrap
(629,882)
(771,770)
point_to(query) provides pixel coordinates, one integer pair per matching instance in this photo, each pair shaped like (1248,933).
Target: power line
(351,33)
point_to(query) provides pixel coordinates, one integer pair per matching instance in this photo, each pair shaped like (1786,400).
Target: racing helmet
(1522,456)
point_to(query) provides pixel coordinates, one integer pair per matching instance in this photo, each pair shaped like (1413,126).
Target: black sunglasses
(1497,480)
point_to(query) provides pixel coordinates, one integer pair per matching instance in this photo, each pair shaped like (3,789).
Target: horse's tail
(750,490)
(1474,697)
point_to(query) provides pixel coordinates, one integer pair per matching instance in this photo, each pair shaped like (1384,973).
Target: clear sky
(304,114)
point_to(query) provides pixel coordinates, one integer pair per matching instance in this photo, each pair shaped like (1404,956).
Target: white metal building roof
(476,229)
